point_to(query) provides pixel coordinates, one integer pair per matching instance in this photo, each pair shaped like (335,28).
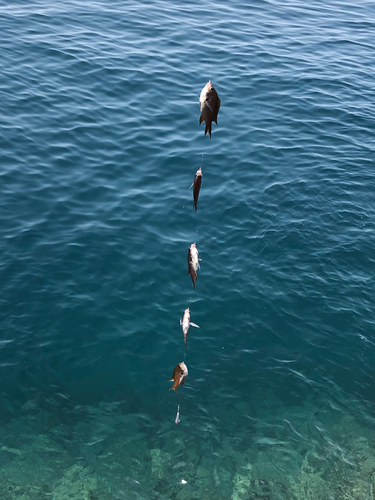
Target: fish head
(184,316)
(184,369)
(206,89)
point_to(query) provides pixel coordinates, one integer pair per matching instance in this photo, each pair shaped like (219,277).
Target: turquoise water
(99,145)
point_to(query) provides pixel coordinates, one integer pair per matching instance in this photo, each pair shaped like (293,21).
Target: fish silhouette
(209,103)
(197,186)
(179,376)
(186,324)
(193,262)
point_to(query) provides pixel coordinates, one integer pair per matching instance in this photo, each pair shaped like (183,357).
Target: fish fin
(208,128)
(180,321)
(193,324)
(174,387)
(191,185)
(209,105)
(201,119)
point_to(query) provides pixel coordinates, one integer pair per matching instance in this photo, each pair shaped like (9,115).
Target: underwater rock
(241,487)
(223,476)
(78,483)
(203,476)
(160,463)
(309,485)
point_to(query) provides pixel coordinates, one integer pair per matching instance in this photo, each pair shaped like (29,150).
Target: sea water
(100,142)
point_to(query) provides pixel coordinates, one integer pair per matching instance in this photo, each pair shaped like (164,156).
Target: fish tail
(208,128)
(174,387)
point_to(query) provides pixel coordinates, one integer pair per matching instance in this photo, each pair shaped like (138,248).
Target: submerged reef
(315,451)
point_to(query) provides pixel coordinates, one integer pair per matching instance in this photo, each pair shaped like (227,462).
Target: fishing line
(177,419)
(210,61)
(197,219)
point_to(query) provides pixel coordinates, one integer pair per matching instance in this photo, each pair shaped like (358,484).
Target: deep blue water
(99,145)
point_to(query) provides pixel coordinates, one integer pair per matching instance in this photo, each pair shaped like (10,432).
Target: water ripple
(101,142)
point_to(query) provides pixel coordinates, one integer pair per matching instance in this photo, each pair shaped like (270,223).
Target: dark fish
(193,262)
(186,324)
(209,103)
(197,186)
(179,376)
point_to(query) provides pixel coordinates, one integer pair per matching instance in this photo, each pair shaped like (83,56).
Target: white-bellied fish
(197,186)
(179,376)
(186,324)
(209,103)
(193,262)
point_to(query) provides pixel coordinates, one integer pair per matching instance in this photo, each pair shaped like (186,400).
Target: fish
(209,103)
(186,324)
(193,262)
(197,186)
(179,376)
(177,420)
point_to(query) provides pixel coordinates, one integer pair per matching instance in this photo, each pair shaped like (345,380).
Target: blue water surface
(100,143)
